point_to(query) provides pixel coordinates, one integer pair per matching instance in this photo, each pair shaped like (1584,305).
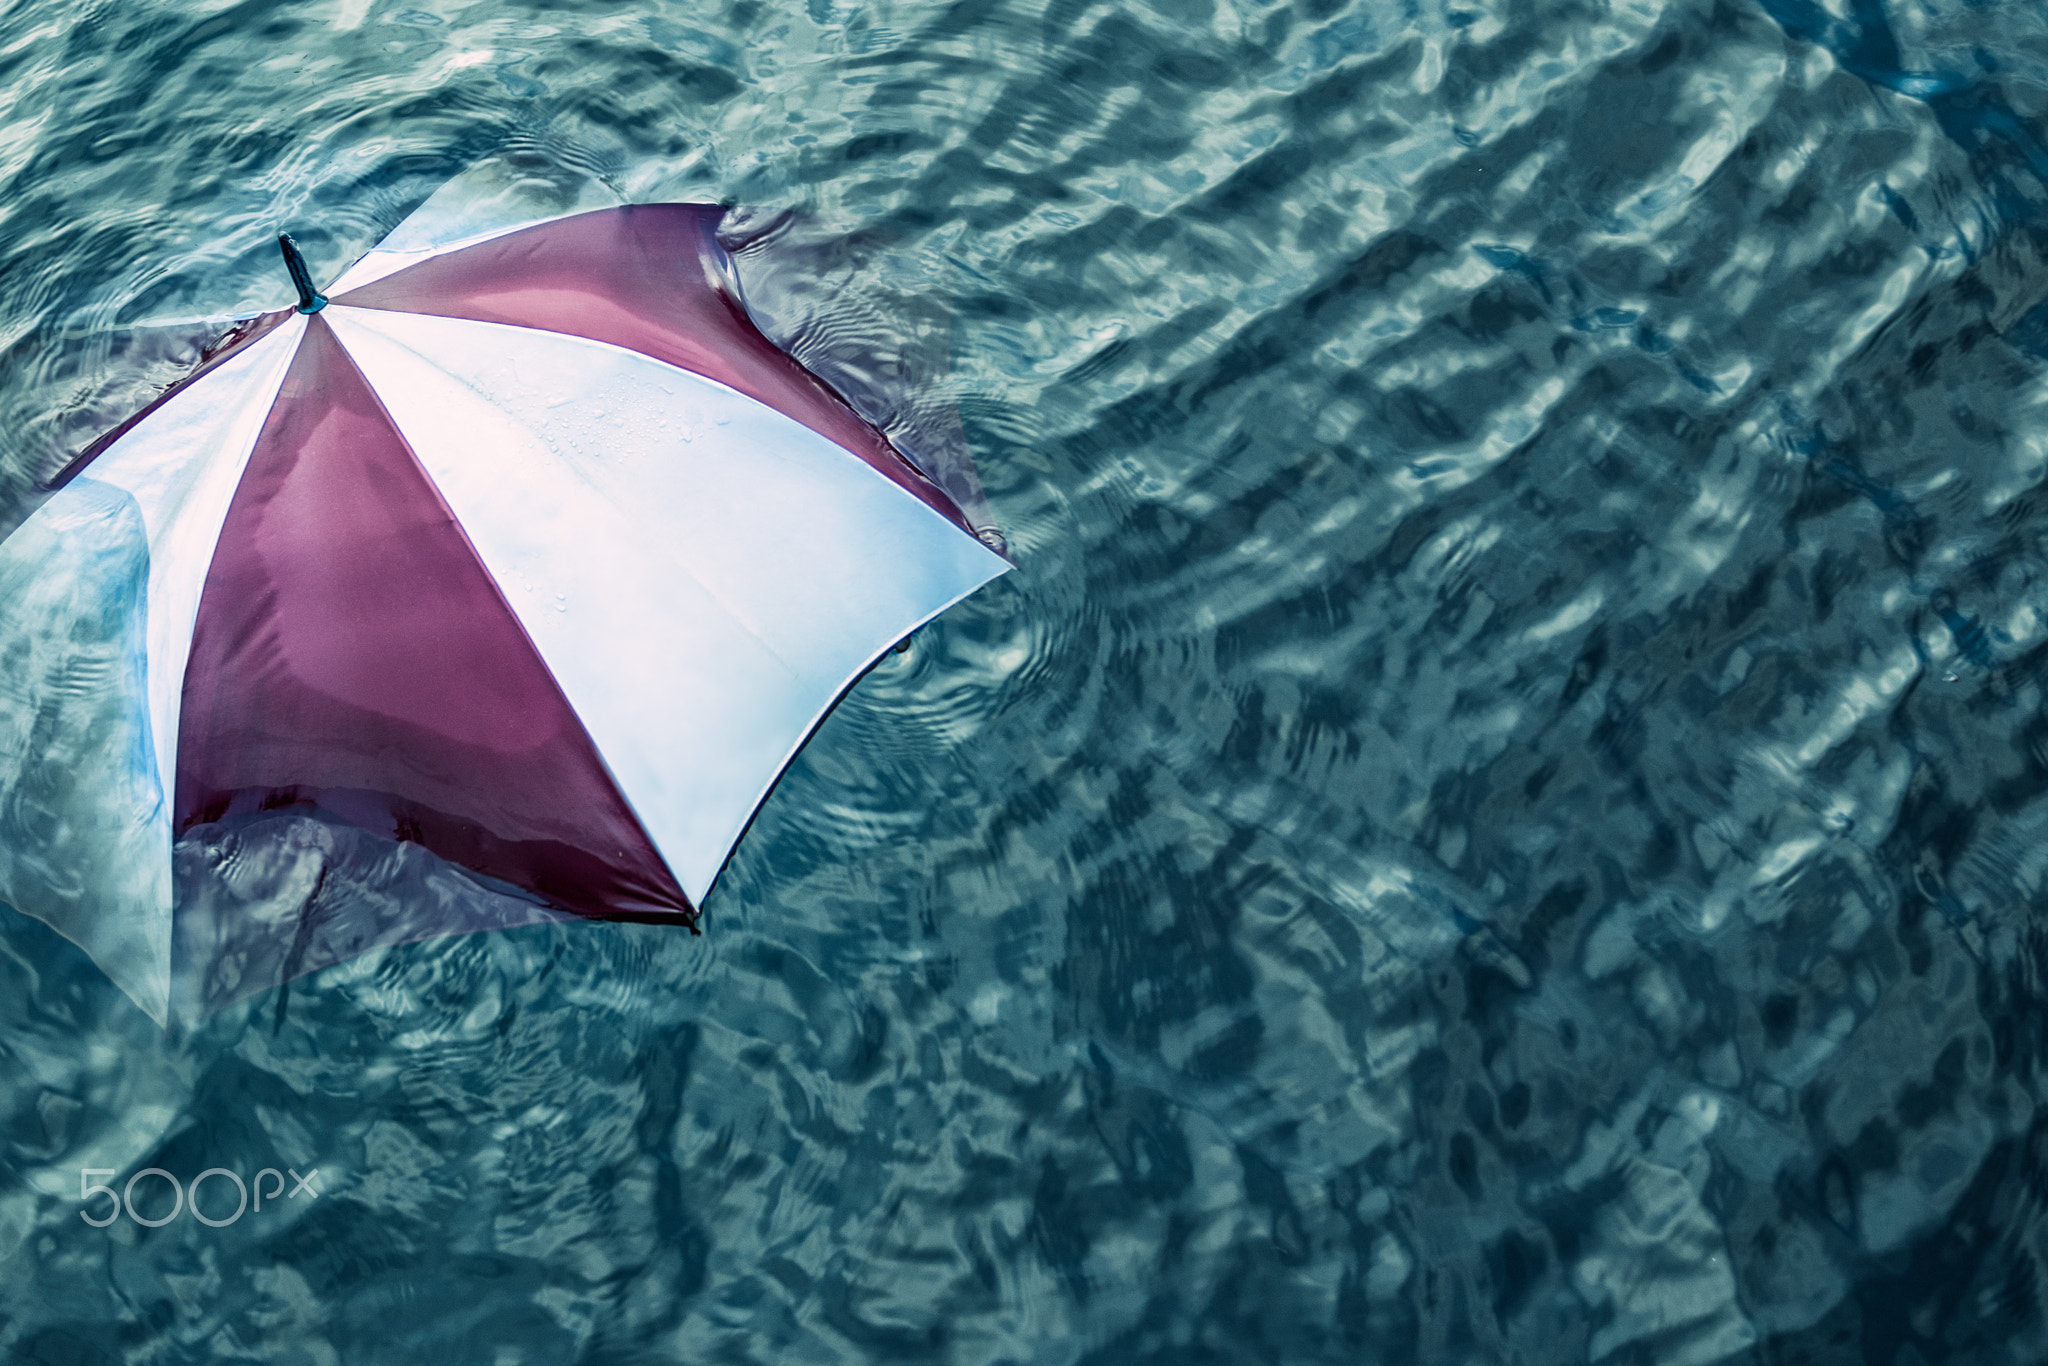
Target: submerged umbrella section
(530,550)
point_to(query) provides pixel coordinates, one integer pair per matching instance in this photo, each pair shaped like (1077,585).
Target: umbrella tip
(310,299)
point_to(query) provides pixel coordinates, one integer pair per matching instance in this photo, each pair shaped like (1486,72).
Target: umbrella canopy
(529,549)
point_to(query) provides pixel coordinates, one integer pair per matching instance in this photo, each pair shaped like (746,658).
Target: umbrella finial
(310,300)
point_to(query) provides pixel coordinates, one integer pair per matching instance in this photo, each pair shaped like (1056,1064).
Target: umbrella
(528,549)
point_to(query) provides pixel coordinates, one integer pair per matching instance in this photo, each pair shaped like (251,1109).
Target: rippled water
(1501,817)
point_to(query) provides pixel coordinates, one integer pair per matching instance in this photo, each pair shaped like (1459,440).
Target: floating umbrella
(528,549)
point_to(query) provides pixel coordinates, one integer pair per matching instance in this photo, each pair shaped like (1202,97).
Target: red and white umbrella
(529,549)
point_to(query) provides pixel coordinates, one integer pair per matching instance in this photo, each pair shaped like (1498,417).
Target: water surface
(1500,817)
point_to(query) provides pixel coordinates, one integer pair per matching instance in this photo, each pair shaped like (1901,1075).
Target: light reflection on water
(1499,818)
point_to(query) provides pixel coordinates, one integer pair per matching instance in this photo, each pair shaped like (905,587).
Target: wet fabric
(582,643)
(217,353)
(650,278)
(352,655)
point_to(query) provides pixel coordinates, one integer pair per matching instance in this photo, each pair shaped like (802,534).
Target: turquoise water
(1499,819)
